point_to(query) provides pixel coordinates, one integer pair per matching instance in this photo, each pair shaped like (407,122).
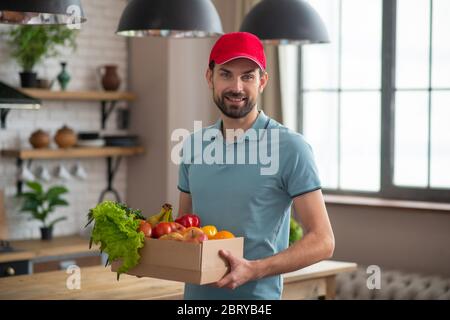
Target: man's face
(236,86)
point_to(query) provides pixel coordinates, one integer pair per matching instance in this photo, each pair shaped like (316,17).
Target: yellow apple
(172,236)
(194,234)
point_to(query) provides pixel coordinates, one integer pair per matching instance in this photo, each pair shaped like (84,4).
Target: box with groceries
(197,263)
(159,246)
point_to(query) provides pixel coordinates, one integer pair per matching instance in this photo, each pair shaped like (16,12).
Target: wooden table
(317,280)
(98,282)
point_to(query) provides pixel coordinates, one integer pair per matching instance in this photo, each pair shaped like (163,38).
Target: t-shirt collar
(261,122)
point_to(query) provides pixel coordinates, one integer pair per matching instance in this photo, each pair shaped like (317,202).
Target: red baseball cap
(236,45)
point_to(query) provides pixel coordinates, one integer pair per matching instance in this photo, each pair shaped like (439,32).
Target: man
(242,198)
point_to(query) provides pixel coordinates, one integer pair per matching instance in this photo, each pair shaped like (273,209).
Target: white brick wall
(97,45)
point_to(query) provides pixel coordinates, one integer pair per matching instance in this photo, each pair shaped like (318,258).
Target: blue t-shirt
(247,187)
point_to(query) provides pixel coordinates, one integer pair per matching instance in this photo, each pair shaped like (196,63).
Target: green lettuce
(116,231)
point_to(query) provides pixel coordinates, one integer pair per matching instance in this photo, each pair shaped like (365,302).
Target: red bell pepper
(189,220)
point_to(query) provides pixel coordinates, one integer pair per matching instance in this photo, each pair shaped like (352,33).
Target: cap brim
(239,57)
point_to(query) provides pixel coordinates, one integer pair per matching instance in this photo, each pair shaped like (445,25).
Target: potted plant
(30,44)
(40,204)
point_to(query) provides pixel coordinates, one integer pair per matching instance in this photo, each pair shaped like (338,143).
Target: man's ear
(263,81)
(209,75)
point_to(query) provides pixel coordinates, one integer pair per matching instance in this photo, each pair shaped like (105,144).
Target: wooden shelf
(75,152)
(113,156)
(44,94)
(107,99)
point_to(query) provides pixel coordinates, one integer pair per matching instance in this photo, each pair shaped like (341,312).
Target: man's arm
(185,204)
(316,245)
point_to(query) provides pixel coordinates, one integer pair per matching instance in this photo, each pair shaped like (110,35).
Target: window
(422,94)
(375,102)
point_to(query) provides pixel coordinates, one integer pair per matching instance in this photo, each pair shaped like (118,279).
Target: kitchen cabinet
(37,256)
(58,246)
(54,263)
(50,263)
(15,268)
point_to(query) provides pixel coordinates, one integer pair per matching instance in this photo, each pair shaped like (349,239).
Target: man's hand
(241,271)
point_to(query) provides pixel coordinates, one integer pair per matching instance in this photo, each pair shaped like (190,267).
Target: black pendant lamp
(40,12)
(170,18)
(285,22)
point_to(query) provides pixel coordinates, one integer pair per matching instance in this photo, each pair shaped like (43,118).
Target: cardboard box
(197,263)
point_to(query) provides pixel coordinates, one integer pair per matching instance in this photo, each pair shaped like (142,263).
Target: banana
(167,217)
(164,215)
(153,220)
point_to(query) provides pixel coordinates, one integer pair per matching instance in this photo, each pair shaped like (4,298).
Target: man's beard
(233,111)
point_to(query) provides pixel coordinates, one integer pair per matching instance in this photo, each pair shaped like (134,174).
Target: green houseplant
(40,204)
(30,44)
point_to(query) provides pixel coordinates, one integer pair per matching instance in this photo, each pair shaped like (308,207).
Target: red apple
(194,234)
(176,227)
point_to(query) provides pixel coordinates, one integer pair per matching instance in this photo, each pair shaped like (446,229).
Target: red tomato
(161,229)
(145,228)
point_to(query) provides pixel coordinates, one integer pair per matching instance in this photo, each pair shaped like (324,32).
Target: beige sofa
(395,285)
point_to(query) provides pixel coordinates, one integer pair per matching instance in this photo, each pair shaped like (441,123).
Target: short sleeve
(183,178)
(299,174)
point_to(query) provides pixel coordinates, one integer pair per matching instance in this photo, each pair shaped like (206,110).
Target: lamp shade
(285,22)
(41,12)
(170,18)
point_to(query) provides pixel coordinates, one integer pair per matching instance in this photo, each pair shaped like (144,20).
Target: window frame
(387,142)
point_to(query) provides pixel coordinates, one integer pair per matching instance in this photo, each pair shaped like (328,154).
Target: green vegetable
(136,212)
(116,230)
(295,231)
